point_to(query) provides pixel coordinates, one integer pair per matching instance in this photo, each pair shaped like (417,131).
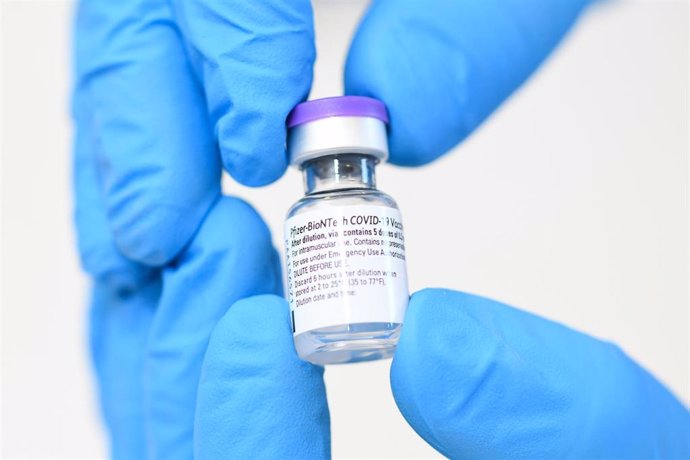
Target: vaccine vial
(345,249)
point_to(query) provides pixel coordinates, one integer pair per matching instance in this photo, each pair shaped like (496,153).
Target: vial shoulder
(342,198)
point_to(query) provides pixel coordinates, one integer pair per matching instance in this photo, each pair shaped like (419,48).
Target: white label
(345,265)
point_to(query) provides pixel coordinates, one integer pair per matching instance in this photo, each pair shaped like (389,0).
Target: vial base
(348,343)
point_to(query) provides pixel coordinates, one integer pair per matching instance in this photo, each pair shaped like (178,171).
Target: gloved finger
(443,66)
(119,326)
(255,60)
(124,296)
(157,159)
(257,399)
(99,254)
(230,257)
(479,379)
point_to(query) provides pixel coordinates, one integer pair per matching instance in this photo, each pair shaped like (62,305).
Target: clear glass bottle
(345,254)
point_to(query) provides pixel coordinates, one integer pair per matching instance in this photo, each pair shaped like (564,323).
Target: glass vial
(345,248)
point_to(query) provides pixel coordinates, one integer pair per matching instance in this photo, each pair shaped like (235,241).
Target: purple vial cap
(340,106)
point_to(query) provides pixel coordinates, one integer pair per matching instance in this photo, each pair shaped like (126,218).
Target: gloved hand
(475,378)
(166,92)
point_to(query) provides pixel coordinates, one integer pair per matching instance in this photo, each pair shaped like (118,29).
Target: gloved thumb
(256,398)
(479,379)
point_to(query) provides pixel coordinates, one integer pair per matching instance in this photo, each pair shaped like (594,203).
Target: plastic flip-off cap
(344,124)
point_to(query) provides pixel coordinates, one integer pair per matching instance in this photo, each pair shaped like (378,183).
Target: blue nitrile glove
(150,330)
(479,379)
(474,377)
(257,398)
(165,93)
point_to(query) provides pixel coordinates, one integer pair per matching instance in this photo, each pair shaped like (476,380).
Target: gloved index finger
(442,67)
(157,160)
(255,61)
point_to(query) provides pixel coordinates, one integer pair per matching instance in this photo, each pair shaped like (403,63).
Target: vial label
(346,265)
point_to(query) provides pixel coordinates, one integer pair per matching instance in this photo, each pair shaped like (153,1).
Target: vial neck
(339,172)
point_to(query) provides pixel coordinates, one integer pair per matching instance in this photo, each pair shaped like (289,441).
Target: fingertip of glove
(232,220)
(441,327)
(253,344)
(427,311)
(414,138)
(405,151)
(424,79)
(256,329)
(252,145)
(255,169)
(252,377)
(232,228)
(435,366)
(105,263)
(263,317)
(153,232)
(428,304)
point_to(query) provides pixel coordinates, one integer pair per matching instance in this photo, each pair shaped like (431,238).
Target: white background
(570,202)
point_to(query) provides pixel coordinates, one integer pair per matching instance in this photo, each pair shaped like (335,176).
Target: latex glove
(479,379)
(165,93)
